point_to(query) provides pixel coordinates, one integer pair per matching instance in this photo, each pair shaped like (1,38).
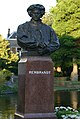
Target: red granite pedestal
(35,93)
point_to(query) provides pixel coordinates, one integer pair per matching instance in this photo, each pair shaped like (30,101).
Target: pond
(66,98)
(8,103)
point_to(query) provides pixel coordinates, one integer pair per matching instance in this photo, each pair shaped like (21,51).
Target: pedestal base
(36,116)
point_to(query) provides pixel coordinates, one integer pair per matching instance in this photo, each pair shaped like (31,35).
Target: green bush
(7,90)
(58,74)
(5,75)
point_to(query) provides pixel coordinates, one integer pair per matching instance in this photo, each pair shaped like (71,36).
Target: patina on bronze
(36,38)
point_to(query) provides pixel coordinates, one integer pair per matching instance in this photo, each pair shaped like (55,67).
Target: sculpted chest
(36,33)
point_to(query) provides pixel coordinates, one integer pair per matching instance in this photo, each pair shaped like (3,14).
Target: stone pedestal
(36,95)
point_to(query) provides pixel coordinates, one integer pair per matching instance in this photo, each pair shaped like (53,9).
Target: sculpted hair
(34,7)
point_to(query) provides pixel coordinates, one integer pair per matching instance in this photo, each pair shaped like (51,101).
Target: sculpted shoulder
(47,26)
(23,25)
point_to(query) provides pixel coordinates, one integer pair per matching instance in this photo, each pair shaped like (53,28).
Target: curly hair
(34,7)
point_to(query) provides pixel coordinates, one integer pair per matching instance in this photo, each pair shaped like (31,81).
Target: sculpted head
(36,11)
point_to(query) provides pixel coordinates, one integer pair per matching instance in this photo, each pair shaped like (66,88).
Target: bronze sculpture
(35,37)
(35,74)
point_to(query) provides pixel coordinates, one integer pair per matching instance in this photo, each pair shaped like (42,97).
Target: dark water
(8,103)
(71,99)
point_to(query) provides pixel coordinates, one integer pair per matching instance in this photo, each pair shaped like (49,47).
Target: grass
(66,85)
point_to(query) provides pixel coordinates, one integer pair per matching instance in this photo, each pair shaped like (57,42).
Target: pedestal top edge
(24,59)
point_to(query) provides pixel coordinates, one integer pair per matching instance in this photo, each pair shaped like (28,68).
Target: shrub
(5,75)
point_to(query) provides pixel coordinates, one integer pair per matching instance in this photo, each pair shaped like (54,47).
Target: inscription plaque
(39,72)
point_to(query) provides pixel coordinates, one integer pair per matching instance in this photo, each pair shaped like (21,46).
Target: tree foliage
(67,17)
(48,19)
(63,57)
(66,24)
(7,58)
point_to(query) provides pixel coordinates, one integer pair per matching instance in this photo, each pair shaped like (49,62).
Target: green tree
(66,23)
(67,17)
(7,58)
(63,57)
(48,19)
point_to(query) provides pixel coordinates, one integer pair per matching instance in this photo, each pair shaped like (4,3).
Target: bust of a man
(35,37)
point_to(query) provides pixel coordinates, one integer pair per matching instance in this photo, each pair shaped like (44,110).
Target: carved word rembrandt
(39,72)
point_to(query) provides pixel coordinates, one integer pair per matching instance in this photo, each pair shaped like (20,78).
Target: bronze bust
(35,37)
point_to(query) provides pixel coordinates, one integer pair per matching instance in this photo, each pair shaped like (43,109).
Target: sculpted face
(36,14)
